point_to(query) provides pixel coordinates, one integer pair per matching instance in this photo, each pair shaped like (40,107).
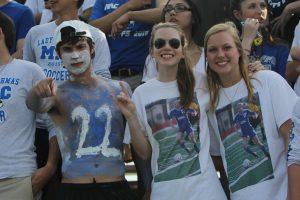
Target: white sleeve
(101,62)
(294,146)
(28,53)
(283,98)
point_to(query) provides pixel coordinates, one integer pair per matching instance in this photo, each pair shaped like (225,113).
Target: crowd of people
(87,85)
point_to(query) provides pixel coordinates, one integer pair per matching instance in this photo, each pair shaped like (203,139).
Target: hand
(137,4)
(280,21)
(250,29)
(125,104)
(45,88)
(255,67)
(41,176)
(119,25)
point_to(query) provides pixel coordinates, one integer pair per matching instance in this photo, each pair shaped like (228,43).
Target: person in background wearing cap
(40,48)
(17,122)
(89,123)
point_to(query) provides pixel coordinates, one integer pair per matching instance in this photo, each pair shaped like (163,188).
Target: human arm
(104,22)
(284,130)
(295,53)
(150,16)
(280,22)
(292,71)
(294,182)
(42,175)
(293,66)
(138,137)
(250,29)
(41,97)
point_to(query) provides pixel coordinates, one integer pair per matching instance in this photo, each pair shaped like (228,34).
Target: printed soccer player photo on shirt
(176,131)
(246,148)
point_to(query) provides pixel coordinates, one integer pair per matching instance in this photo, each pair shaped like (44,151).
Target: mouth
(77,64)
(166,56)
(173,20)
(222,63)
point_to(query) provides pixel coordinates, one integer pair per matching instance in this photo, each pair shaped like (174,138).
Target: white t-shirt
(47,14)
(294,147)
(296,42)
(150,70)
(36,6)
(39,48)
(252,149)
(17,122)
(179,171)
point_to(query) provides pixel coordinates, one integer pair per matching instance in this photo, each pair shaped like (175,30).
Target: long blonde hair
(213,79)
(185,77)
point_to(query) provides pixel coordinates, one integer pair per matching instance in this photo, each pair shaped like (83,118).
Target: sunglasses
(178,8)
(160,43)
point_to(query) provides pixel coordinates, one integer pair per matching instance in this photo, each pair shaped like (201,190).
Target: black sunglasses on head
(177,8)
(160,43)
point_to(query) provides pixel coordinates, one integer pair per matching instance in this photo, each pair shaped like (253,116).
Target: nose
(259,10)
(221,53)
(172,12)
(75,55)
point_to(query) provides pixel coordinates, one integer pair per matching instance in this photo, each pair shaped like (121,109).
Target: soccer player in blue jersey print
(241,119)
(185,127)
(90,128)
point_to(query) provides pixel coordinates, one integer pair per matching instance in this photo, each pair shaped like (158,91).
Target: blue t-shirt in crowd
(130,49)
(22,17)
(273,57)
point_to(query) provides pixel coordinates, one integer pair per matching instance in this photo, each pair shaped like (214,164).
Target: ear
(237,14)
(92,49)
